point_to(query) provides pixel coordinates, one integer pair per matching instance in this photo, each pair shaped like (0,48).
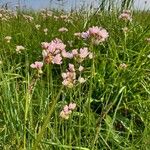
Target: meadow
(74,81)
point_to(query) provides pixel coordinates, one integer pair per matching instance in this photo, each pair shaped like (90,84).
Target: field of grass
(107,84)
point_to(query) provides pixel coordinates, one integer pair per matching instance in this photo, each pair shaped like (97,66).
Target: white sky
(38,4)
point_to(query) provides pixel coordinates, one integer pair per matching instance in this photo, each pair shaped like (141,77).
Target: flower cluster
(81,54)
(126,15)
(67,110)
(19,48)
(69,77)
(97,34)
(37,65)
(63,29)
(52,52)
(28,18)
(8,38)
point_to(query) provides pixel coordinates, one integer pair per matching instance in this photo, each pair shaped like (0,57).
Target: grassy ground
(112,106)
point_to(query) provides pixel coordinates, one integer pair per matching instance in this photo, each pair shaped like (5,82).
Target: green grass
(113,105)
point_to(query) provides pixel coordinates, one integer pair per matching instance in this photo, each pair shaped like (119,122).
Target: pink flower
(52,52)
(45,45)
(67,111)
(83,52)
(67,54)
(66,108)
(63,29)
(126,15)
(75,52)
(85,35)
(72,106)
(69,76)
(97,34)
(57,59)
(37,65)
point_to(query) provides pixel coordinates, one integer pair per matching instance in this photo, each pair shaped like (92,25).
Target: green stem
(47,119)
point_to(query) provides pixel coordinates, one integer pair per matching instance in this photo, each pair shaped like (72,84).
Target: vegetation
(109,95)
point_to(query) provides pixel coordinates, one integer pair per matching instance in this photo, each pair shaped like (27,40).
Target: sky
(39,4)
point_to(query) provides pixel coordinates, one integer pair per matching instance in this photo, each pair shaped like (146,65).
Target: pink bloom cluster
(97,34)
(69,77)
(52,52)
(37,65)
(126,15)
(81,54)
(67,110)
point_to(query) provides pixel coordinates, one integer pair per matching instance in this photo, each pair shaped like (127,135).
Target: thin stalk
(47,119)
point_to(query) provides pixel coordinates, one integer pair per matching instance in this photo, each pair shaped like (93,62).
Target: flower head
(37,65)
(126,15)
(67,111)
(63,29)
(8,38)
(19,48)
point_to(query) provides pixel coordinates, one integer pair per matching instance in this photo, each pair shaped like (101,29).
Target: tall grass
(113,105)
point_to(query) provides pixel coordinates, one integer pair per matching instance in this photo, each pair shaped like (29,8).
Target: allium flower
(28,18)
(126,15)
(67,54)
(45,31)
(81,68)
(64,17)
(45,45)
(37,26)
(85,35)
(148,40)
(123,66)
(90,55)
(63,29)
(8,38)
(78,34)
(69,76)
(97,34)
(81,80)
(54,51)
(125,29)
(72,106)
(75,52)
(71,68)
(57,59)
(67,111)
(19,48)
(81,54)
(148,56)
(37,65)
(56,17)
